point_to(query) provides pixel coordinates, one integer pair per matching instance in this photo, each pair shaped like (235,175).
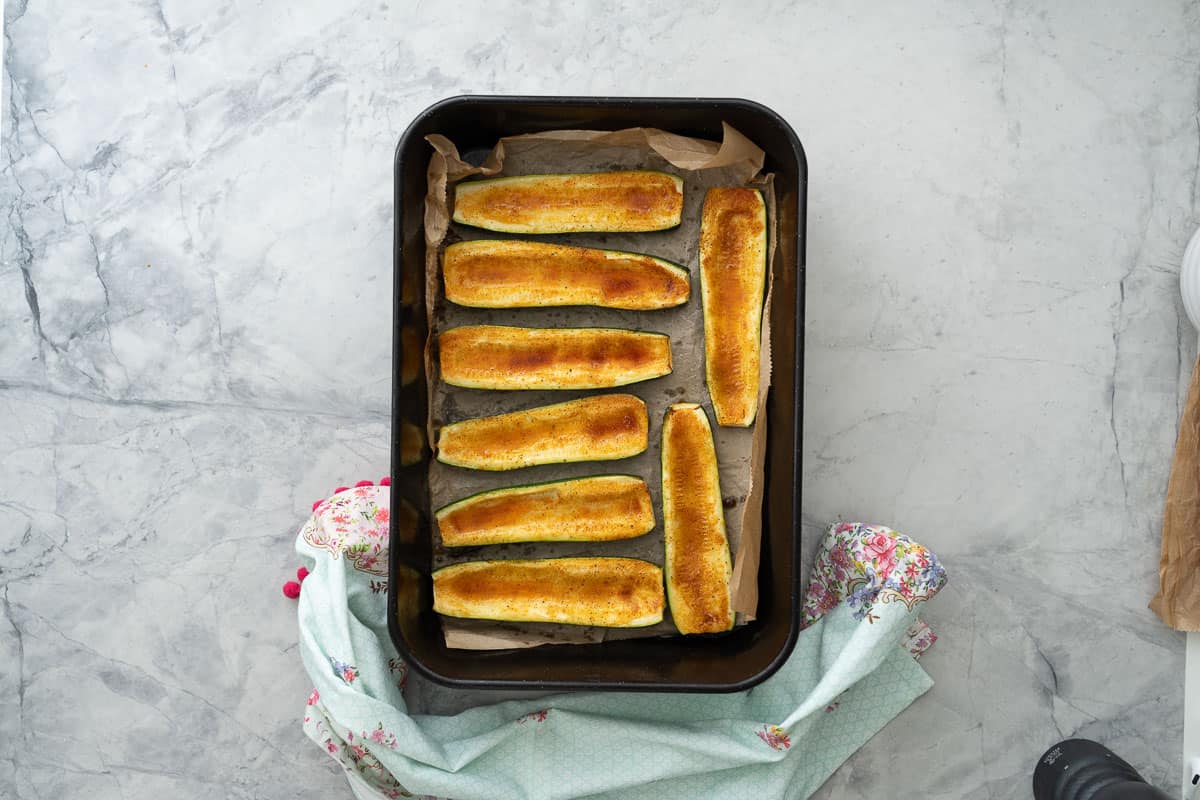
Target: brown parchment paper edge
(1178,600)
(446,166)
(744,581)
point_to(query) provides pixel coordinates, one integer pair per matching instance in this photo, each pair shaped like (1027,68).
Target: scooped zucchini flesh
(697,564)
(609,592)
(488,273)
(600,428)
(733,270)
(502,357)
(622,201)
(595,509)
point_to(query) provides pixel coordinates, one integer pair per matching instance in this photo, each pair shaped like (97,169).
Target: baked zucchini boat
(490,273)
(627,201)
(610,592)
(600,428)
(697,562)
(733,272)
(596,509)
(502,357)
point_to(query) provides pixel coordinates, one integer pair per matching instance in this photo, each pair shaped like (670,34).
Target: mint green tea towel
(853,670)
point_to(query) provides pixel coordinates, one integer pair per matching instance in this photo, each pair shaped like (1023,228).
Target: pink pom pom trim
(385,481)
(363,483)
(340,489)
(291,590)
(301,574)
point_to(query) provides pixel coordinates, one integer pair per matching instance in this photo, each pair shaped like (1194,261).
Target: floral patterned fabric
(354,524)
(868,564)
(852,670)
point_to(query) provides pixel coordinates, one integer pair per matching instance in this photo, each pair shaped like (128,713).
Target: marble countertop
(195,262)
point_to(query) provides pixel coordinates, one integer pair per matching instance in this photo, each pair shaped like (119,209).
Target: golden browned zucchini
(599,428)
(512,274)
(733,270)
(596,509)
(500,357)
(630,201)
(697,558)
(610,592)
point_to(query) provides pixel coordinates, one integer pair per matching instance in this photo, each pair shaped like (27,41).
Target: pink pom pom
(301,574)
(363,483)
(317,504)
(340,489)
(291,589)
(385,481)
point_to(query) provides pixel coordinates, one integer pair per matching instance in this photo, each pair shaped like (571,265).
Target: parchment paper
(735,161)
(1178,598)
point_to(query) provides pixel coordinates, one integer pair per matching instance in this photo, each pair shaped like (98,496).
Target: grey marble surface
(195,252)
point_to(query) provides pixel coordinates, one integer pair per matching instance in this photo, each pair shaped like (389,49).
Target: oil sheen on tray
(609,592)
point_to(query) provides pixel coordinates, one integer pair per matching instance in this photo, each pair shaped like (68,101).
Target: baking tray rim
(716,105)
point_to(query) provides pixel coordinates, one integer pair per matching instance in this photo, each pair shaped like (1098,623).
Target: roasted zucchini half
(596,509)
(697,562)
(629,201)
(610,592)
(600,428)
(510,274)
(733,273)
(501,357)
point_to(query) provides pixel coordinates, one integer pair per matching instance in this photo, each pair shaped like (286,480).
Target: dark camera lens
(1079,769)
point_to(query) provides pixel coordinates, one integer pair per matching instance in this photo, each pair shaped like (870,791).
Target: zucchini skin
(594,509)
(507,358)
(608,592)
(600,428)
(697,565)
(626,201)
(488,273)
(733,269)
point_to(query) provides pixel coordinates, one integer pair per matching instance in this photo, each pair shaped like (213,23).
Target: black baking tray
(728,662)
